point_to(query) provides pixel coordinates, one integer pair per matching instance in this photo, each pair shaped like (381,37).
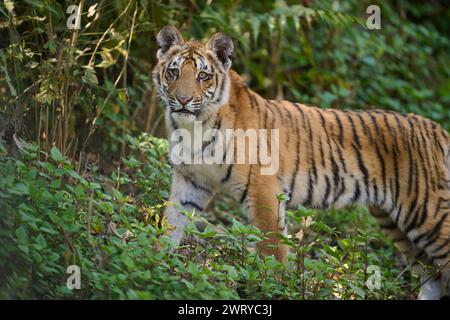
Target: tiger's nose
(184,100)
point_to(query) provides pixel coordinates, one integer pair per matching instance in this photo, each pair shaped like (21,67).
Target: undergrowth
(112,228)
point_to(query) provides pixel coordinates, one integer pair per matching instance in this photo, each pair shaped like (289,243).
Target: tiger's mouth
(183,111)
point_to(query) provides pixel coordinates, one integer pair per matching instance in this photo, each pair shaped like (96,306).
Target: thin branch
(133,23)
(430,277)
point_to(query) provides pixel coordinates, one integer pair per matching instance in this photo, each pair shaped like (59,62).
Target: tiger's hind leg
(400,240)
(433,238)
(432,288)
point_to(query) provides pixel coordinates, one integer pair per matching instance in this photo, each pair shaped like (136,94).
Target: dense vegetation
(84,176)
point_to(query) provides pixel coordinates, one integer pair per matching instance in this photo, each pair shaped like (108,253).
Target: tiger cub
(398,165)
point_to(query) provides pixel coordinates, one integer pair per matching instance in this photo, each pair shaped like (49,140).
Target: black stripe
(426,196)
(362,166)
(341,158)
(396,176)
(334,166)
(254,104)
(397,218)
(364,126)
(441,256)
(375,190)
(437,228)
(310,188)
(341,191)
(277,109)
(440,247)
(297,159)
(244,194)
(185,203)
(340,126)
(321,149)
(228,175)
(412,223)
(352,125)
(383,170)
(439,207)
(438,143)
(410,169)
(378,130)
(327,192)
(289,116)
(401,128)
(216,80)
(268,107)
(322,157)
(386,122)
(265,116)
(434,234)
(412,209)
(425,144)
(357,193)
(197,186)
(311,149)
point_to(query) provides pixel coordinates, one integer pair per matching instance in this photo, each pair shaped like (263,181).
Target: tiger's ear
(223,47)
(168,37)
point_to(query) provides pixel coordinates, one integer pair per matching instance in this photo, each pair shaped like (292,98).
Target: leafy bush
(111,227)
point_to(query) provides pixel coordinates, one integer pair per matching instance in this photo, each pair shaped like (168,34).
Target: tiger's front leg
(188,194)
(268,215)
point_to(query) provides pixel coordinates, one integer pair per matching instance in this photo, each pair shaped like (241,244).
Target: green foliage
(111,227)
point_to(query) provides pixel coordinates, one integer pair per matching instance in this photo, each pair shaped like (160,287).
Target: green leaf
(282,197)
(117,194)
(22,235)
(40,240)
(56,154)
(238,227)
(52,46)
(20,189)
(24,249)
(358,291)
(90,77)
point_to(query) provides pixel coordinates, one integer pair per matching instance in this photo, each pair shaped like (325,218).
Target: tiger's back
(390,161)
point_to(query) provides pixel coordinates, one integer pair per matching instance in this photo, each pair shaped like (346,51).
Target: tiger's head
(192,76)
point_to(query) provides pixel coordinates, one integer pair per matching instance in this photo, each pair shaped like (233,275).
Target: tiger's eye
(174,72)
(203,75)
